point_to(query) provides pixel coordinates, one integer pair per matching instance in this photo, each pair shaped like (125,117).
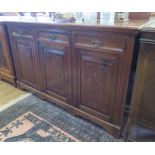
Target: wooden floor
(9,93)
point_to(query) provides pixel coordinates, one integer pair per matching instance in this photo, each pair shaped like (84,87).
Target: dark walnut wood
(141,123)
(83,69)
(25,56)
(55,64)
(6,66)
(2,58)
(101,71)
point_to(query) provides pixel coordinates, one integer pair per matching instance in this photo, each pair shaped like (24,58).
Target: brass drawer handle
(19,33)
(97,43)
(52,37)
(14,34)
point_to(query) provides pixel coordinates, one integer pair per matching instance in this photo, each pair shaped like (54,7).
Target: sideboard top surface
(132,26)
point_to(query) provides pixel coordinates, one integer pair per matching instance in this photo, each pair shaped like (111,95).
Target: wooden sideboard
(82,68)
(141,123)
(6,65)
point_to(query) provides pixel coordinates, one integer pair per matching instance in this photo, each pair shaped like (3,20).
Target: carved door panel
(147,94)
(98,77)
(2,58)
(25,61)
(55,69)
(3,49)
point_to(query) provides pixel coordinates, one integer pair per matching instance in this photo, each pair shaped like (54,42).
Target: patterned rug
(34,120)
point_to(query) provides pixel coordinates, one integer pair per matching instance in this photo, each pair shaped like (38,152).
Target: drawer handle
(16,34)
(96,43)
(21,35)
(52,37)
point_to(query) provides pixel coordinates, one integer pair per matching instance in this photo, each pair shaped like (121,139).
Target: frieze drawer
(100,41)
(59,36)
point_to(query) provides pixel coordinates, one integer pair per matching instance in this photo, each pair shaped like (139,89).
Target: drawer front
(21,32)
(53,35)
(147,37)
(100,40)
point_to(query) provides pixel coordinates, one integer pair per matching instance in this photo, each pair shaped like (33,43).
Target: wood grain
(82,68)
(143,98)
(6,64)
